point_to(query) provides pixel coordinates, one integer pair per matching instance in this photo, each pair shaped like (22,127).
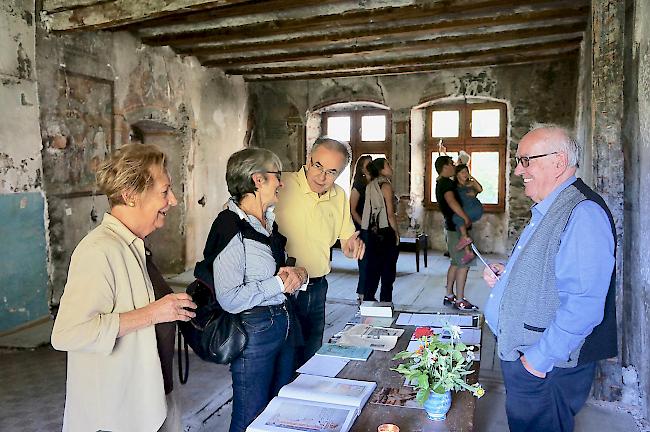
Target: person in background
(449,202)
(312,214)
(109,315)
(381,233)
(244,259)
(357,200)
(468,187)
(553,305)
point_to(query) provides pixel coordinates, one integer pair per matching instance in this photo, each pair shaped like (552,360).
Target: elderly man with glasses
(312,214)
(552,306)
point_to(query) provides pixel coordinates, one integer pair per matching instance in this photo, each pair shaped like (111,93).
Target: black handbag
(213,334)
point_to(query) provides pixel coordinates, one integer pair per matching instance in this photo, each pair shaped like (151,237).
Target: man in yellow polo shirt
(312,214)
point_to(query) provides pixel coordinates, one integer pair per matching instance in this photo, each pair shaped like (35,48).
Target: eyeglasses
(278,174)
(525,160)
(331,173)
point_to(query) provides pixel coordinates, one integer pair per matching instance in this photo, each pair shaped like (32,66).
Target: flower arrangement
(439,366)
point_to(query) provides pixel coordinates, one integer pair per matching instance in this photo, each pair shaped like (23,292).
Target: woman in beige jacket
(108,312)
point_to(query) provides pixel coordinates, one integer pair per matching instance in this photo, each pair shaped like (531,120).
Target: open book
(290,415)
(314,403)
(329,390)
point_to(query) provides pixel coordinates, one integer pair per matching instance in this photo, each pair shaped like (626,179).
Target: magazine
(348,352)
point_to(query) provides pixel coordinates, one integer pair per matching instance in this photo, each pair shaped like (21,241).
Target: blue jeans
(310,309)
(545,404)
(265,365)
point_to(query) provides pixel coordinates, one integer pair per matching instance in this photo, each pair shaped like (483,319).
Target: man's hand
(488,276)
(353,247)
(531,369)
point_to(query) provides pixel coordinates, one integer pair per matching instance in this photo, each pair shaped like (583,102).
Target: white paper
(414,345)
(434,320)
(323,366)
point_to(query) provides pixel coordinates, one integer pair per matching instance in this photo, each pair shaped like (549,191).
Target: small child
(468,188)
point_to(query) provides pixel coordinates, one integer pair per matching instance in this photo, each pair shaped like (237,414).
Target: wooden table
(460,417)
(420,243)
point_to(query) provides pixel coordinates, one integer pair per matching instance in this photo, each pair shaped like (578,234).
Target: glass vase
(437,405)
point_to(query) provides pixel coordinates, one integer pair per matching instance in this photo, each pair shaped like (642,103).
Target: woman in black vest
(245,257)
(381,234)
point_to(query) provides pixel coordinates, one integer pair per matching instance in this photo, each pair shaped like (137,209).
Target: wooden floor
(208,409)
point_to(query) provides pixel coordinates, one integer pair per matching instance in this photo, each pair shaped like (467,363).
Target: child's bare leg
(465,240)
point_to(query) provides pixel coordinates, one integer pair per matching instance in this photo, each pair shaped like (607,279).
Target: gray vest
(530,300)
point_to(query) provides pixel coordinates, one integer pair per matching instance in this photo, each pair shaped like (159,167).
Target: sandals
(449,300)
(464,304)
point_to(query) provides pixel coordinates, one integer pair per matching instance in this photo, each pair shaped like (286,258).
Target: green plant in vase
(437,367)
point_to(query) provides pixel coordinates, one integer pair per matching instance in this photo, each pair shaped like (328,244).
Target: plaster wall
(108,82)
(536,92)
(23,295)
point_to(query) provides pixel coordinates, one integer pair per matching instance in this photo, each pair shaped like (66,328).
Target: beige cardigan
(112,384)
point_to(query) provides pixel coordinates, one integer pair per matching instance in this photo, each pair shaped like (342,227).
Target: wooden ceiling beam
(50,6)
(369,34)
(410,60)
(333,23)
(480,35)
(97,15)
(514,59)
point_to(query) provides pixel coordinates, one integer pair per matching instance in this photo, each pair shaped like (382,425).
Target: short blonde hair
(129,170)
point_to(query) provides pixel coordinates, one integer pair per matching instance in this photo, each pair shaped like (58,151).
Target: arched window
(478,128)
(366,129)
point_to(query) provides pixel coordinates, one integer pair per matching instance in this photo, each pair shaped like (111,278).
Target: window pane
(434,174)
(373,128)
(485,168)
(486,123)
(339,128)
(444,124)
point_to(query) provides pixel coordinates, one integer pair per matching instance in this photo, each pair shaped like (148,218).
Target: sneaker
(464,241)
(464,304)
(469,256)
(449,300)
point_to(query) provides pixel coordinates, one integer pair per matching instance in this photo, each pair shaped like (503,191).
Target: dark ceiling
(303,39)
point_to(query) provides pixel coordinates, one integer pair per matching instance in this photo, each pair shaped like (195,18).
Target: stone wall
(68,100)
(539,92)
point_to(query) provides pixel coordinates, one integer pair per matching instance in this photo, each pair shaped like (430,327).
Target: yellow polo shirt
(312,224)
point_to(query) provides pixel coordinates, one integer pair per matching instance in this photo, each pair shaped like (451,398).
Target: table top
(460,417)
